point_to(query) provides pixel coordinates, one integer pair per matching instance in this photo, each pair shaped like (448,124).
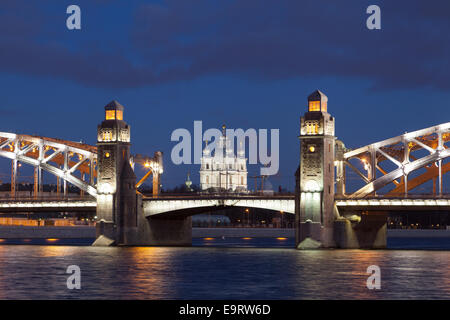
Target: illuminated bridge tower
(120,209)
(116,192)
(315,180)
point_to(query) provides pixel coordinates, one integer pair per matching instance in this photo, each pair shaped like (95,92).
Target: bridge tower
(315,178)
(120,209)
(116,191)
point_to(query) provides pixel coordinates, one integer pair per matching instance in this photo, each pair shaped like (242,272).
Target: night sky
(245,63)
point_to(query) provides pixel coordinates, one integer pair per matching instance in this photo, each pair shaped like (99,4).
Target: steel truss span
(400,151)
(64,159)
(70,161)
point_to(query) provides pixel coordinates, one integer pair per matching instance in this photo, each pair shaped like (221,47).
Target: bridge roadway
(195,204)
(47,204)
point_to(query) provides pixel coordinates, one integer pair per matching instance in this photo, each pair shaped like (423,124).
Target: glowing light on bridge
(312,186)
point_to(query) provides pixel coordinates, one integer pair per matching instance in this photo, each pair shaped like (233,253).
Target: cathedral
(223,170)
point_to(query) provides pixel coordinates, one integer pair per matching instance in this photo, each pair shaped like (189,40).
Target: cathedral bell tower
(116,191)
(315,180)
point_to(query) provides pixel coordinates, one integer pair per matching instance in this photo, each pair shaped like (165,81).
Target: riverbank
(83,232)
(88,232)
(45,232)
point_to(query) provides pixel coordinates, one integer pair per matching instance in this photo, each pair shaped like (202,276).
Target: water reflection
(150,273)
(39,272)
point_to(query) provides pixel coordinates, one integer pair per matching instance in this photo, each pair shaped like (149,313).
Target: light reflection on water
(38,272)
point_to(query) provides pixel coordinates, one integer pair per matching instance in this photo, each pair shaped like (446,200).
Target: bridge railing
(42,199)
(197,195)
(398,196)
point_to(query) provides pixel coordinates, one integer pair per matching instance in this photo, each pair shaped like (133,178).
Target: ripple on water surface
(39,272)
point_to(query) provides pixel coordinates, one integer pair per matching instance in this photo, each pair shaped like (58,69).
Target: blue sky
(249,64)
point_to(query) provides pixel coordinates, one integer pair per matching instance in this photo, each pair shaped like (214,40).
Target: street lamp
(248,215)
(281,213)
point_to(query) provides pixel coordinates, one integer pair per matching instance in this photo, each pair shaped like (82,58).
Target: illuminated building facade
(223,170)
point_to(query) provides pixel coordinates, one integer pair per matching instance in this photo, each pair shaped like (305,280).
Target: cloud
(182,40)
(299,38)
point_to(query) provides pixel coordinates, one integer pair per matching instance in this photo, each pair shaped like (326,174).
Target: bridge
(187,206)
(327,213)
(200,204)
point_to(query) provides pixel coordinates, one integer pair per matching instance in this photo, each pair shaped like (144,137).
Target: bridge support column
(13,178)
(156,184)
(65,188)
(58,186)
(83,179)
(36,183)
(157,174)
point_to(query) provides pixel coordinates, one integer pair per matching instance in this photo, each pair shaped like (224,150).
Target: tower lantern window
(114,115)
(314,106)
(110,115)
(317,101)
(318,106)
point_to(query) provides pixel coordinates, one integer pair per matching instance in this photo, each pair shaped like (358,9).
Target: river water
(238,269)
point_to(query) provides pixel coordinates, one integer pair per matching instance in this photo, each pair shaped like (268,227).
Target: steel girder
(61,162)
(33,150)
(397,150)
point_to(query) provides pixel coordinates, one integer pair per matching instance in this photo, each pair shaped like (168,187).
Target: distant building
(223,170)
(188,183)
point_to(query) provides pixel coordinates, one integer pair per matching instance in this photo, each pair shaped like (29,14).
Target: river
(240,269)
